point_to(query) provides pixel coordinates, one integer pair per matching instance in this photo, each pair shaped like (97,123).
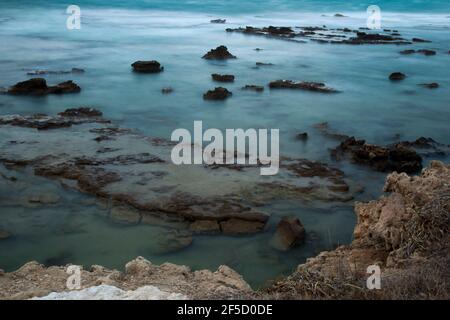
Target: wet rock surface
(219,53)
(304,85)
(218,21)
(151,66)
(219,93)
(38,86)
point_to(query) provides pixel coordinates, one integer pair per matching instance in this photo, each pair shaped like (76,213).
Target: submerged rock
(167,90)
(152,66)
(45,72)
(408,51)
(304,85)
(220,53)
(302,136)
(427,52)
(289,233)
(432,85)
(218,21)
(397,76)
(218,93)
(253,87)
(38,86)
(223,77)
(419,40)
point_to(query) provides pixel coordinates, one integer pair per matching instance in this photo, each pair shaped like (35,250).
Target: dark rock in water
(397,157)
(339,15)
(35,86)
(65,87)
(397,76)
(218,93)
(261,64)
(4,235)
(289,233)
(409,51)
(427,52)
(220,53)
(253,88)
(419,40)
(259,49)
(81,112)
(222,77)
(174,241)
(433,85)
(38,86)
(77,70)
(61,259)
(167,90)
(302,136)
(218,21)
(304,85)
(152,66)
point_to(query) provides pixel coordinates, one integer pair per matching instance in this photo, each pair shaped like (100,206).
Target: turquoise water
(177,33)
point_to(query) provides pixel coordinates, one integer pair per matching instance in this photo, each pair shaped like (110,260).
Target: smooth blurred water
(33,35)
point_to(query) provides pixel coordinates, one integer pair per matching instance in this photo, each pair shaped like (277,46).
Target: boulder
(218,93)
(220,53)
(397,76)
(223,77)
(289,233)
(152,66)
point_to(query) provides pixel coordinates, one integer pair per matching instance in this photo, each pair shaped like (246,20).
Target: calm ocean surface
(114,34)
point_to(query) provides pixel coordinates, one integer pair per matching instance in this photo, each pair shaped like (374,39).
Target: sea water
(113,34)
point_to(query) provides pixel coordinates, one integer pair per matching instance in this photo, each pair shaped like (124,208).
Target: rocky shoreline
(405,233)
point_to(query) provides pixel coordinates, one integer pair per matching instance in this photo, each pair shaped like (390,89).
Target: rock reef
(219,53)
(38,86)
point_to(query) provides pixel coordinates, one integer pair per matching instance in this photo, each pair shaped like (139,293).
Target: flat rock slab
(133,170)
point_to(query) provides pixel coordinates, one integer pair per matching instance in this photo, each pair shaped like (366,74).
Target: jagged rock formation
(39,87)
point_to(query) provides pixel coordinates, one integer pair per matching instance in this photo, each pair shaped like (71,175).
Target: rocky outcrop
(167,90)
(152,66)
(38,86)
(219,93)
(289,233)
(397,157)
(304,85)
(220,53)
(397,76)
(138,182)
(323,35)
(171,282)
(405,233)
(223,77)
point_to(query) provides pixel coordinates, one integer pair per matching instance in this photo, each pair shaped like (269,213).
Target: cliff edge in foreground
(405,233)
